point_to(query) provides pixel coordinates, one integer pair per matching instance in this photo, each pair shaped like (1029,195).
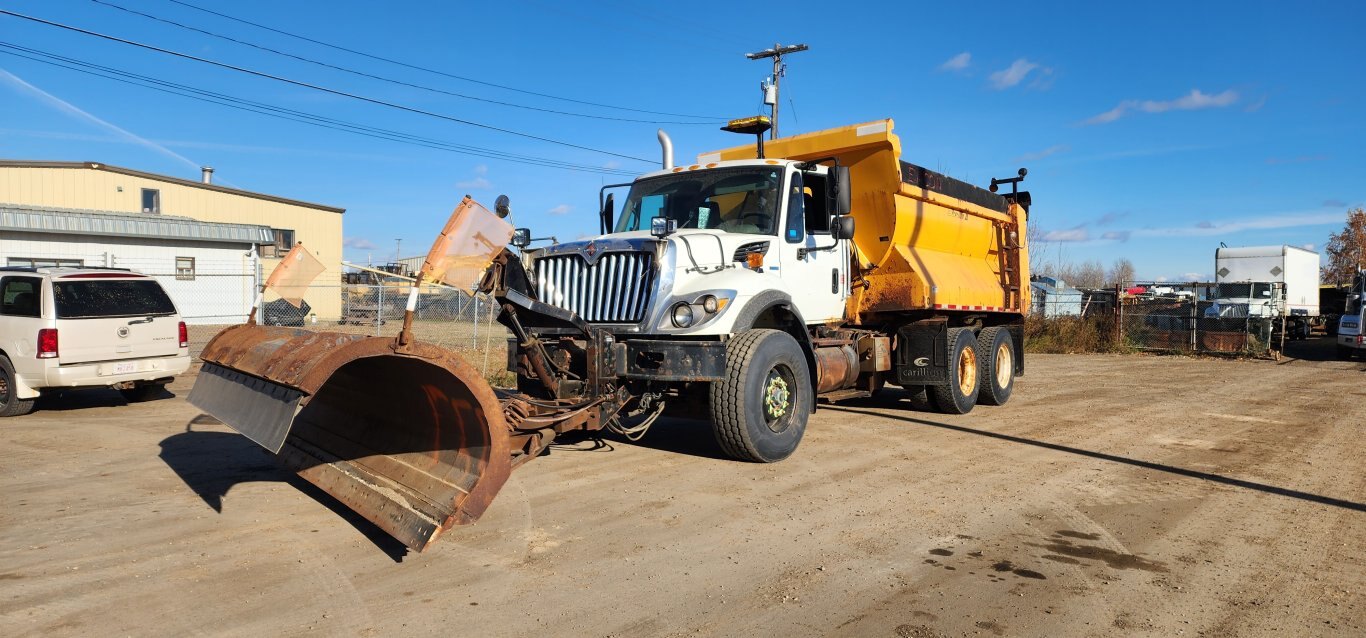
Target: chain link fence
(1185,323)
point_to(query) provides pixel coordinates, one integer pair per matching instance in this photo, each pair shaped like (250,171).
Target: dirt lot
(1115,495)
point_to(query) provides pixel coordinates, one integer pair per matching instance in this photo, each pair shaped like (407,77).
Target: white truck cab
(80,328)
(1351,333)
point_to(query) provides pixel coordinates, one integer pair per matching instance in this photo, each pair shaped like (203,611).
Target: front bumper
(637,359)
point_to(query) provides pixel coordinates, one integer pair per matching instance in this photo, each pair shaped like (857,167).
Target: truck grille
(615,289)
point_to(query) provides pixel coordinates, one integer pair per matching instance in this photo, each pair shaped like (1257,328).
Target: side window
(817,205)
(184,268)
(151,201)
(20,296)
(796,210)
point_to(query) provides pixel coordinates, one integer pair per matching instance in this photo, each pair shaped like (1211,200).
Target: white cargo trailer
(1268,282)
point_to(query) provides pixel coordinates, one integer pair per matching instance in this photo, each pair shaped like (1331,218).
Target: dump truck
(745,289)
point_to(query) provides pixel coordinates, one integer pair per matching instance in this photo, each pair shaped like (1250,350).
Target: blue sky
(1152,131)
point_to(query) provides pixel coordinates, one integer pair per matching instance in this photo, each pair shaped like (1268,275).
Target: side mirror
(502,206)
(521,237)
(662,226)
(605,215)
(842,227)
(840,191)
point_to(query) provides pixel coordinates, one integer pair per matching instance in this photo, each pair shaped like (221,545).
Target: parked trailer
(743,288)
(1268,282)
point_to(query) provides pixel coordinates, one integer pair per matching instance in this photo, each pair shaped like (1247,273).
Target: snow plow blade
(411,437)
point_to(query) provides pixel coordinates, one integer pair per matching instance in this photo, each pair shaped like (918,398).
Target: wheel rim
(1005,365)
(967,371)
(777,398)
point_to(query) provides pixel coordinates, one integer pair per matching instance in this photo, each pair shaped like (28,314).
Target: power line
(293,115)
(387,79)
(316,87)
(435,71)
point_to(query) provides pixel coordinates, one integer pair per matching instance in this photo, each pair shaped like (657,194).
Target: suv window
(110,298)
(20,296)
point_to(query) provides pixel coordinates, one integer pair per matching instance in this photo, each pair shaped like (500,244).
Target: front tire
(997,366)
(10,403)
(759,410)
(960,393)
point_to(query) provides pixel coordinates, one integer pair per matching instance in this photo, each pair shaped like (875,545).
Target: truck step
(847,393)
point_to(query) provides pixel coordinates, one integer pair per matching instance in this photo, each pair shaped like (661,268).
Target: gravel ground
(1114,495)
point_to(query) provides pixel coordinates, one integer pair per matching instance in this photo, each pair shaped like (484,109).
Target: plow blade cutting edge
(411,437)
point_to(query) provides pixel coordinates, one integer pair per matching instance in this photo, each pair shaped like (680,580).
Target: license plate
(123,368)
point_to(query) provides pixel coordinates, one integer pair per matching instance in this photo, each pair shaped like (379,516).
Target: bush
(1070,335)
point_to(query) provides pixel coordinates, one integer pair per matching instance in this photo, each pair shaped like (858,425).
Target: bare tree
(1121,272)
(1090,274)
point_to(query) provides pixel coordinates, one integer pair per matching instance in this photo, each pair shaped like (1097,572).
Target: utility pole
(398,253)
(777,53)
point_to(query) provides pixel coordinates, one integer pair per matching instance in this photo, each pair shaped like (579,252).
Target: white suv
(82,328)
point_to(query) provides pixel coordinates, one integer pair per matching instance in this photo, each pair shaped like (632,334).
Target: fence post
(1119,314)
(379,309)
(1195,341)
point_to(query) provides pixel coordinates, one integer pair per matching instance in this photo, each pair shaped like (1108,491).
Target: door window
(797,194)
(20,296)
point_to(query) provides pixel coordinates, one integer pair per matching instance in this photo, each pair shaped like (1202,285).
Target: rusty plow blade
(411,437)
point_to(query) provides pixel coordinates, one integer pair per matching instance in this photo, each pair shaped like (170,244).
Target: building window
(284,240)
(151,201)
(19,296)
(43,262)
(184,268)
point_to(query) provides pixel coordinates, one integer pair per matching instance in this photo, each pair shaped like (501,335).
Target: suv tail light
(47,343)
(184,336)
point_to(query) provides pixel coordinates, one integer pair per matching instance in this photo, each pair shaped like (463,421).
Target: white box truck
(1268,282)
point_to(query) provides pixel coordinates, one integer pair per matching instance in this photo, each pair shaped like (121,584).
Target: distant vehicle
(1267,282)
(282,313)
(1351,334)
(84,328)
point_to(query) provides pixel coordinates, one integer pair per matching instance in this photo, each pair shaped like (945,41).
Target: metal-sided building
(190,233)
(1054,298)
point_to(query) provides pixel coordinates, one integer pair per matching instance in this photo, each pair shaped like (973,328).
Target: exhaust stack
(667,146)
(207,174)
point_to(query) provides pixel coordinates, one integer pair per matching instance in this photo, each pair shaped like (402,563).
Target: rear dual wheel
(960,392)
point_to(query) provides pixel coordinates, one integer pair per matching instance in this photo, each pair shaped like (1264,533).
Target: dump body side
(923,241)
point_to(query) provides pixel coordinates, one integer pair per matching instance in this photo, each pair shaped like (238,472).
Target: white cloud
(1072,234)
(957,62)
(562,209)
(480,182)
(70,109)
(359,243)
(1012,75)
(1193,101)
(1116,235)
(1227,227)
(1038,155)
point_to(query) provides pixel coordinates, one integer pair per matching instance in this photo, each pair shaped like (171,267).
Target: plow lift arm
(406,433)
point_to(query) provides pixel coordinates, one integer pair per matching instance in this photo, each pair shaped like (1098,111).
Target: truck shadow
(211,463)
(678,436)
(1170,469)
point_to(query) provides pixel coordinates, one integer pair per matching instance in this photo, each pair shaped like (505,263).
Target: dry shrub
(1069,335)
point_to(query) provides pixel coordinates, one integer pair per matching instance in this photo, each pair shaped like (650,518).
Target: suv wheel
(10,403)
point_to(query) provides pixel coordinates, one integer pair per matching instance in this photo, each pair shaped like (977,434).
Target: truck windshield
(739,200)
(1243,290)
(110,298)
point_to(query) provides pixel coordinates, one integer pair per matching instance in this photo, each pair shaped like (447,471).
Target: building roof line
(100,166)
(20,218)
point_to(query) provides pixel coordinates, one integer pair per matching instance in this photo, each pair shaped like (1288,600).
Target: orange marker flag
(294,274)
(473,236)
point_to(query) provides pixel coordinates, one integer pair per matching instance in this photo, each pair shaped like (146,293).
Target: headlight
(709,304)
(682,315)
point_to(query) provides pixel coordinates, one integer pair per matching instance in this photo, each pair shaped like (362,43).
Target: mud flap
(262,411)
(414,439)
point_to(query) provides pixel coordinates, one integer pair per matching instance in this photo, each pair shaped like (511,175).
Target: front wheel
(759,410)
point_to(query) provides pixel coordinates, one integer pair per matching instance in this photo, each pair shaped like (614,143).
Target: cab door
(814,265)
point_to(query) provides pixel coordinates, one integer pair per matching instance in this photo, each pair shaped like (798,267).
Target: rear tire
(759,410)
(10,403)
(960,393)
(997,370)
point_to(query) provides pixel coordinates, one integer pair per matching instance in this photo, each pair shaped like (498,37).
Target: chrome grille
(614,289)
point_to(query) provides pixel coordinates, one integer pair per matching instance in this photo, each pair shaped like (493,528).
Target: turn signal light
(755,260)
(47,343)
(184,336)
